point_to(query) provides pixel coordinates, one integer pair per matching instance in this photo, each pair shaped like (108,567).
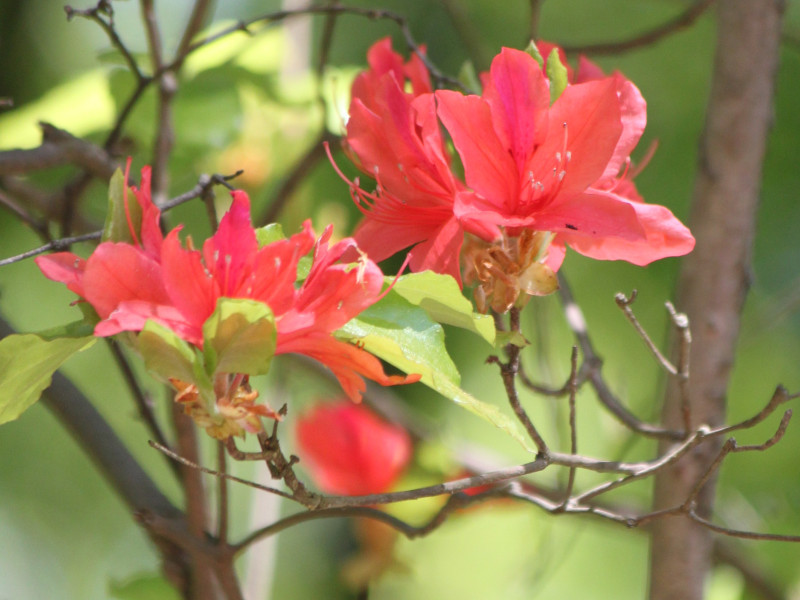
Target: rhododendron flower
(555,168)
(394,133)
(129,284)
(349,450)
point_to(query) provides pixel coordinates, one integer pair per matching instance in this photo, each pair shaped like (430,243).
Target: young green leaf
(27,364)
(557,74)
(440,297)
(405,336)
(170,357)
(239,337)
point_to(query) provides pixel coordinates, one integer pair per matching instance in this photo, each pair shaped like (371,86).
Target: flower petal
(664,234)
(116,272)
(348,363)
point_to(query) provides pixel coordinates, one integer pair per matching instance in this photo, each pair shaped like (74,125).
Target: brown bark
(715,277)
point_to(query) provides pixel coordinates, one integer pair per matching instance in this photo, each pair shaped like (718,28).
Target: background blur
(249,102)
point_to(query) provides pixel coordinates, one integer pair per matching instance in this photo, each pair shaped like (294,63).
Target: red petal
(229,253)
(347,362)
(191,289)
(489,169)
(519,97)
(349,450)
(117,272)
(133,314)
(665,236)
(584,128)
(65,267)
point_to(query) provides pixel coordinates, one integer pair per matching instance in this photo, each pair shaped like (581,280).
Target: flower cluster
(155,279)
(538,175)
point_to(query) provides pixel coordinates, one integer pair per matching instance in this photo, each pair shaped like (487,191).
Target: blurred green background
(249,102)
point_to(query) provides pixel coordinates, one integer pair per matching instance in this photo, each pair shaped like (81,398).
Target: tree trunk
(715,277)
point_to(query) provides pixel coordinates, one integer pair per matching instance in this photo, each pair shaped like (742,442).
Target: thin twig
(228,476)
(681,323)
(625,305)
(577,323)
(573,426)
(55,245)
(222,496)
(648,38)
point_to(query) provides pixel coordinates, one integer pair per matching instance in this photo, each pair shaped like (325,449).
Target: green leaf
(269,233)
(76,329)
(405,336)
(117,227)
(143,587)
(239,337)
(27,364)
(168,356)
(557,74)
(534,52)
(440,297)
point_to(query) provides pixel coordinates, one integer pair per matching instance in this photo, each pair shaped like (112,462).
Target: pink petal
(116,272)
(229,253)
(519,97)
(583,131)
(347,362)
(151,235)
(189,286)
(594,214)
(489,169)
(65,267)
(133,314)
(665,236)
(440,252)
(350,450)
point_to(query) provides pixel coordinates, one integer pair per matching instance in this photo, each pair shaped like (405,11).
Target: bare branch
(625,304)
(577,323)
(682,21)
(58,148)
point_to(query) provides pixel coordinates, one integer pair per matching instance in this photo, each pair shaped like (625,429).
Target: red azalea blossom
(160,280)
(349,450)
(555,168)
(395,136)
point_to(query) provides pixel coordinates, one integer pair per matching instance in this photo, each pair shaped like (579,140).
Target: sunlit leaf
(406,337)
(269,233)
(27,364)
(168,356)
(534,52)
(557,74)
(239,337)
(440,297)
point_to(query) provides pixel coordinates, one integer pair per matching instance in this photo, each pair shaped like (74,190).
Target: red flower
(129,284)
(396,139)
(554,168)
(348,450)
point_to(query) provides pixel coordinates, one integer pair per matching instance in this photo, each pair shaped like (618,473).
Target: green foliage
(27,364)
(440,297)
(168,356)
(406,336)
(557,74)
(123,216)
(239,337)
